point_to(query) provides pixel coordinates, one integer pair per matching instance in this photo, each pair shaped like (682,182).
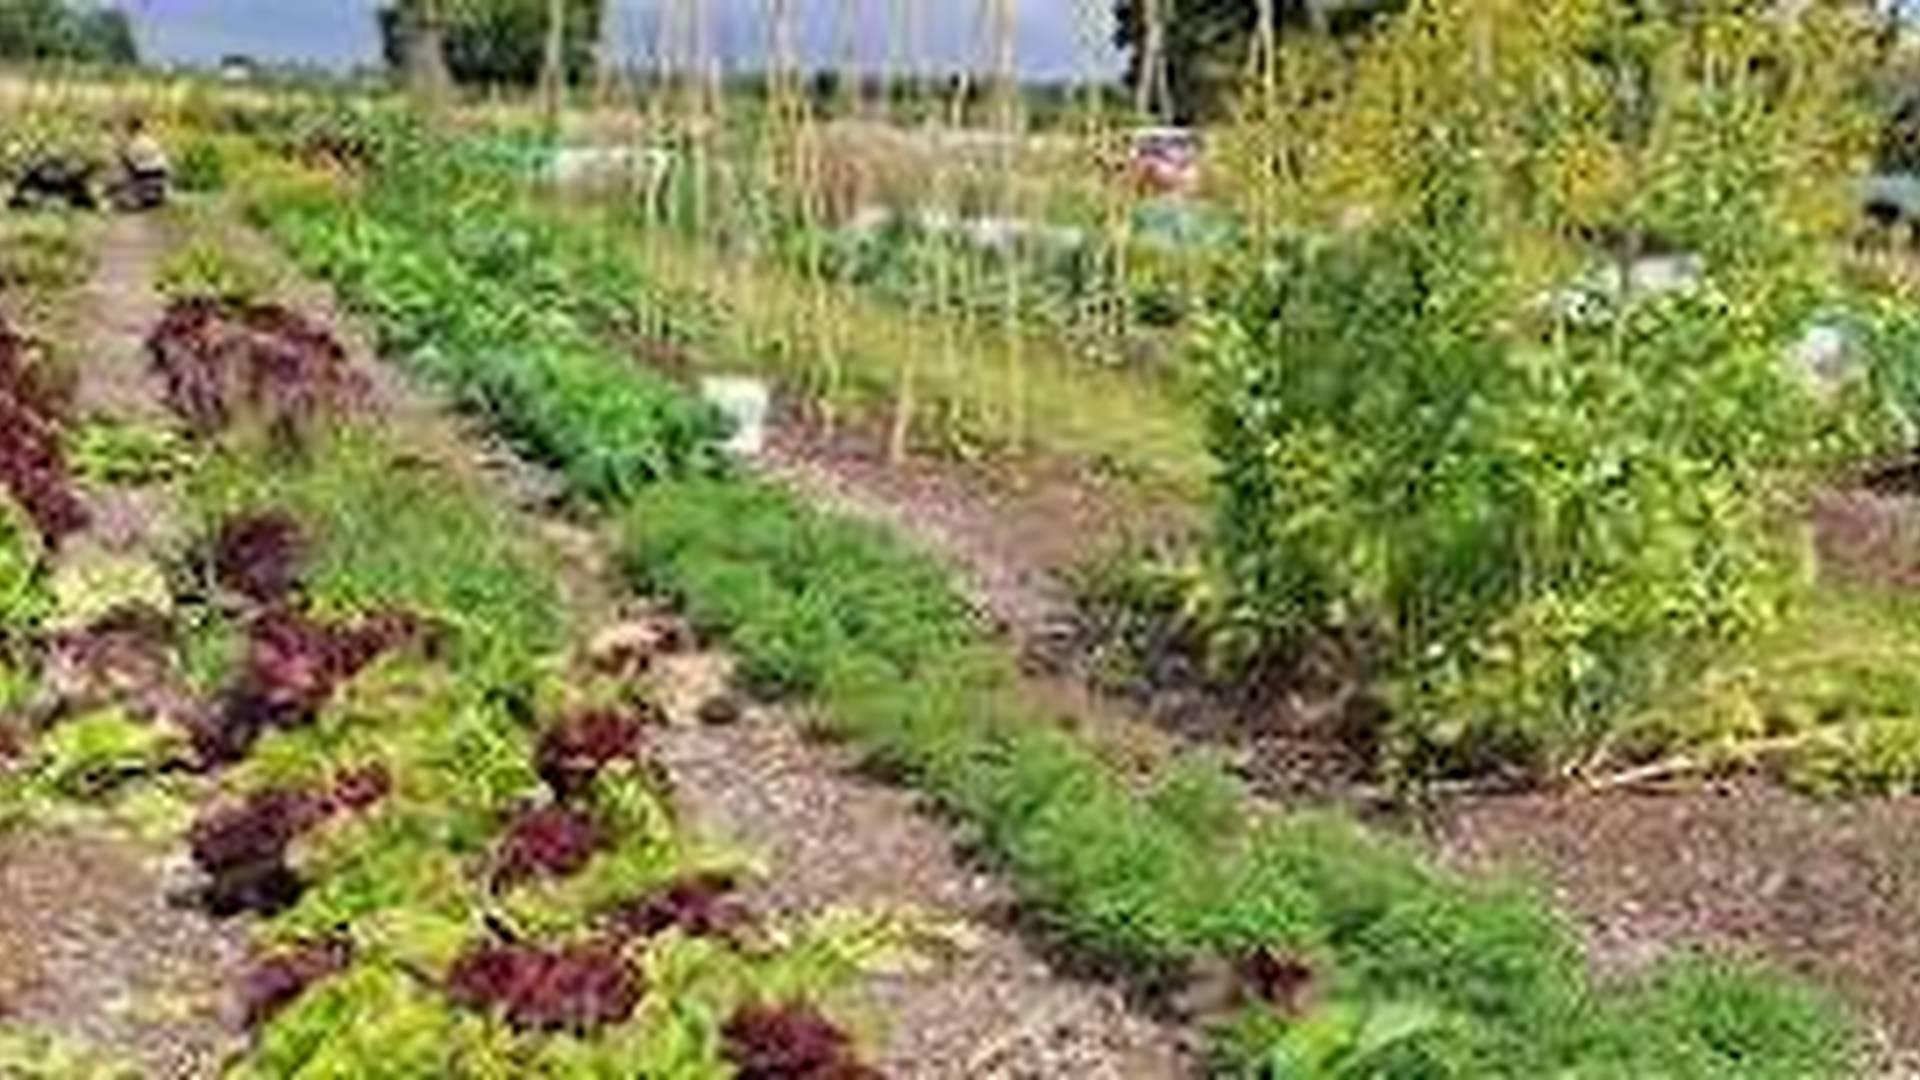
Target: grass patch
(1826,702)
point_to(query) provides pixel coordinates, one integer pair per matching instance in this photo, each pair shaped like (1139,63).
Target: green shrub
(201,166)
(1547,511)
(209,269)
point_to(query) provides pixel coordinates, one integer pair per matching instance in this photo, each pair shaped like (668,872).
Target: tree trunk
(553,69)
(427,63)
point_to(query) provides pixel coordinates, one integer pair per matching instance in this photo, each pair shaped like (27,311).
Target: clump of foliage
(126,454)
(43,256)
(493,42)
(219,358)
(23,598)
(293,665)
(790,1042)
(33,467)
(258,555)
(700,905)
(461,282)
(206,269)
(572,753)
(86,756)
(547,841)
(572,988)
(1542,503)
(64,30)
(243,850)
(276,980)
(201,167)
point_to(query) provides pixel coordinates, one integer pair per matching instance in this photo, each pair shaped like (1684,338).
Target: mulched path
(91,948)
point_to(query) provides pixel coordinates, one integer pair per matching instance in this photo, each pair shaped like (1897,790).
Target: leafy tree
(494,42)
(58,30)
(1205,44)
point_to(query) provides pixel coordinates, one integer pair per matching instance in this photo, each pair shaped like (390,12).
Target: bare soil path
(92,947)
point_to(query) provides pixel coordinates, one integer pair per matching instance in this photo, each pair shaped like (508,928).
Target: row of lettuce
(1391,966)
(347,683)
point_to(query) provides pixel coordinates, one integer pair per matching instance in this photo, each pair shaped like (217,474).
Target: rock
(627,649)
(720,710)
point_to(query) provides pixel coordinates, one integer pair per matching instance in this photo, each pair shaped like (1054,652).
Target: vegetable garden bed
(1350,951)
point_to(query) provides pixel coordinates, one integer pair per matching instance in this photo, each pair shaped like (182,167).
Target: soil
(92,949)
(1868,537)
(1829,890)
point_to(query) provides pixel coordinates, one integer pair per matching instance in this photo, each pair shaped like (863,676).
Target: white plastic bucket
(745,403)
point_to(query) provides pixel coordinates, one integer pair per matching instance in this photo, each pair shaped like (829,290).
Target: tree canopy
(1205,44)
(58,30)
(497,42)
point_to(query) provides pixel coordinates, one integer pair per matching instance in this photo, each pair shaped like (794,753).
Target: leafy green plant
(87,755)
(1341,1042)
(207,268)
(127,454)
(23,598)
(43,255)
(201,166)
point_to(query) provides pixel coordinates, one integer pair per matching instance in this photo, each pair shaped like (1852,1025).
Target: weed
(205,269)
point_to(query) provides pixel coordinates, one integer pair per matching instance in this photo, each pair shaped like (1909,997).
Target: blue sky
(340,33)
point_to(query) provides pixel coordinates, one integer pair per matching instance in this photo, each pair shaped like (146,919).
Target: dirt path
(91,946)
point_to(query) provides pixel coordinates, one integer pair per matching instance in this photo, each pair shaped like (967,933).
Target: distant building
(238,69)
